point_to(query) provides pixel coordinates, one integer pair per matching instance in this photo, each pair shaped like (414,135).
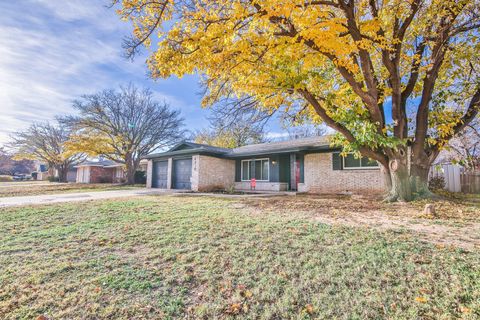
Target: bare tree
(236,135)
(305,131)
(234,123)
(230,111)
(464,149)
(124,126)
(45,142)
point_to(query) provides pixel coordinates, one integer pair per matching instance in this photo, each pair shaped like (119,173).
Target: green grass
(200,258)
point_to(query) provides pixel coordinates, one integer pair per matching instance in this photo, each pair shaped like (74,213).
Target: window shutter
(337,161)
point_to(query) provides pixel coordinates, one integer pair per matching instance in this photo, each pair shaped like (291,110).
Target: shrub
(53,179)
(103,179)
(140,177)
(230,189)
(5,178)
(436,183)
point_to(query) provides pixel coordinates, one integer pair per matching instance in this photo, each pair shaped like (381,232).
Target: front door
(297,174)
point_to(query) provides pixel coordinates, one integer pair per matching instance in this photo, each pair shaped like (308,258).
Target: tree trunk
(130,170)
(419,179)
(62,173)
(387,177)
(401,189)
(409,179)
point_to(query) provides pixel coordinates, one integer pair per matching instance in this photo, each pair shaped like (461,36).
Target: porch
(275,172)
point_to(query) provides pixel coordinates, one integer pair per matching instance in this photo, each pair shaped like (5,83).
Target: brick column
(195,179)
(149,173)
(169,173)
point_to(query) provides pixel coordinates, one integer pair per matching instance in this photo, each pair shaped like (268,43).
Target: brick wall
(321,178)
(209,173)
(119,175)
(262,186)
(99,174)
(149,173)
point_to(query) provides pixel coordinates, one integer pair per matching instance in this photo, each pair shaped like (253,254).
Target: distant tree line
(121,125)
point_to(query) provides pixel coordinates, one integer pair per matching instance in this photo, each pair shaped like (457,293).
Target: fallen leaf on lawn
(234,308)
(421,299)
(248,294)
(308,309)
(464,309)
(42,317)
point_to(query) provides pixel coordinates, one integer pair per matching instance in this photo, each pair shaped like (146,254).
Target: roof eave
(183,152)
(229,155)
(325,148)
(88,165)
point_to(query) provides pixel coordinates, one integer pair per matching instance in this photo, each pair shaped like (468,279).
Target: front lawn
(27,188)
(207,258)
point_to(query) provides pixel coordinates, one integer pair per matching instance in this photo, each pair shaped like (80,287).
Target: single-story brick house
(102,171)
(305,165)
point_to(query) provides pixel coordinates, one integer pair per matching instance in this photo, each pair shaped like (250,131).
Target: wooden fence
(456,179)
(470,182)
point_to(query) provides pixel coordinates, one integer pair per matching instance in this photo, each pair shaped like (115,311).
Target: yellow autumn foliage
(277,51)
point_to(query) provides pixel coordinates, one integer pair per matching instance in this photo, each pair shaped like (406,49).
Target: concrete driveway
(79,196)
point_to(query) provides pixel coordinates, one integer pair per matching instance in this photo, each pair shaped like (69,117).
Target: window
(350,162)
(265,170)
(245,170)
(367,162)
(258,169)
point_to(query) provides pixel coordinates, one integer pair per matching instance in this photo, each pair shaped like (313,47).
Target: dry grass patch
(457,220)
(201,258)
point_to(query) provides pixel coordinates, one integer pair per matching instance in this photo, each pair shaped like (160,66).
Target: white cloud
(60,50)
(277,135)
(45,64)
(71,10)
(95,12)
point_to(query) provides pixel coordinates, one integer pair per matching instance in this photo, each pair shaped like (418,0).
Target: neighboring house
(42,171)
(306,165)
(102,171)
(143,165)
(72,174)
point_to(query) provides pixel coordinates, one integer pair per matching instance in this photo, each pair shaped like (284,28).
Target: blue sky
(53,51)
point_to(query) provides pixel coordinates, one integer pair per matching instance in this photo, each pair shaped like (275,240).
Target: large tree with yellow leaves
(348,63)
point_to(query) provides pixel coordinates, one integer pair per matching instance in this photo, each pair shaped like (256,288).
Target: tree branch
(340,128)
